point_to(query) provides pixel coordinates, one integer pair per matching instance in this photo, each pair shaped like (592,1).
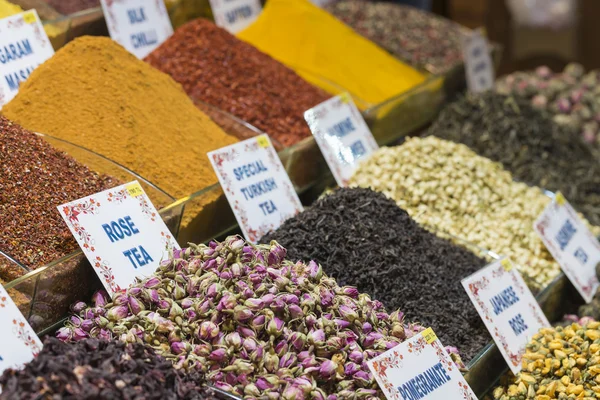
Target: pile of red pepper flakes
(215,67)
(35,178)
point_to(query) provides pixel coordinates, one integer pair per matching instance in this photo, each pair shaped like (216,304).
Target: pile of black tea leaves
(528,143)
(100,369)
(363,239)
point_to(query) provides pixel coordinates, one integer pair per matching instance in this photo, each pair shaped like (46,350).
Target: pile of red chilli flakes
(215,67)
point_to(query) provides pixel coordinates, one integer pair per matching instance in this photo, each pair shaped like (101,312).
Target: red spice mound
(35,178)
(215,67)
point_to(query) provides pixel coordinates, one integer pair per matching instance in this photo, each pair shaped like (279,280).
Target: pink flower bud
(367,328)
(263,384)
(271,362)
(371,338)
(292,392)
(242,314)
(65,334)
(303,355)
(78,307)
(208,330)
(105,334)
(258,323)
(136,306)
(152,283)
(364,378)
(151,296)
(249,344)
(224,387)
(218,355)
(100,298)
(315,271)
(341,323)
(234,340)
(257,354)
(356,356)
(178,347)
(227,302)
(79,334)
(297,340)
(350,291)
(351,368)
(327,369)
(288,360)
(276,254)
(316,337)
(117,313)
(87,325)
(275,327)
(164,305)
(318,394)
(246,332)
(254,304)
(295,311)
(281,348)
(251,390)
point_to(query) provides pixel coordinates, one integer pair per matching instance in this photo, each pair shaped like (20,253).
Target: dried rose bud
(327,369)
(251,390)
(288,360)
(218,355)
(275,327)
(117,313)
(78,307)
(271,362)
(254,304)
(135,305)
(316,337)
(347,313)
(242,314)
(208,330)
(297,340)
(233,340)
(264,384)
(64,334)
(100,298)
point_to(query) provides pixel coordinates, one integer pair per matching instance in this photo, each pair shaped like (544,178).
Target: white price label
(342,135)
(478,62)
(23,46)
(508,309)
(19,342)
(120,233)
(235,15)
(420,368)
(138,25)
(571,244)
(257,187)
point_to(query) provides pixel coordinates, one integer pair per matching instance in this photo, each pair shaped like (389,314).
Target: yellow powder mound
(95,94)
(316,44)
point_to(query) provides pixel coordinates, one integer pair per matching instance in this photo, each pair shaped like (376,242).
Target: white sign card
(507,307)
(478,62)
(257,186)
(23,46)
(420,368)
(19,342)
(571,244)
(342,135)
(138,25)
(121,234)
(235,15)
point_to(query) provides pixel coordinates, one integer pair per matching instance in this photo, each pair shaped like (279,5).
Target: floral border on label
(541,226)
(92,207)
